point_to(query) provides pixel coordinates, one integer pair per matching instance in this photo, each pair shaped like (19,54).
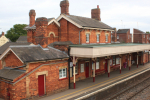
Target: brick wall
(147,38)
(63,28)
(125,37)
(137,38)
(122,37)
(12,61)
(52,33)
(93,37)
(62,47)
(24,88)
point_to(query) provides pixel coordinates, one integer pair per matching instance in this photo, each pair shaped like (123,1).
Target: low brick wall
(106,93)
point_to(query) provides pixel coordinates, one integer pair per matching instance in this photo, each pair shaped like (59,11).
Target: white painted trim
(99,29)
(55,21)
(17,56)
(52,33)
(6,51)
(63,16)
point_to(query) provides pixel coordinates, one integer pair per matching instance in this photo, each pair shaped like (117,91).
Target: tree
(17,30)
(147,32)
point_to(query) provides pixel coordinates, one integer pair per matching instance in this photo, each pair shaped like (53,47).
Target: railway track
(128,93)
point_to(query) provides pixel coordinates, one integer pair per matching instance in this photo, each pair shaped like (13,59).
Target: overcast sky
(116,13)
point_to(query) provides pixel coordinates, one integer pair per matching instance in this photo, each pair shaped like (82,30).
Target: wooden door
(87,69)
(41,85)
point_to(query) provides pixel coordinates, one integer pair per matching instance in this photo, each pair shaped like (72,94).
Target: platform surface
(100,81)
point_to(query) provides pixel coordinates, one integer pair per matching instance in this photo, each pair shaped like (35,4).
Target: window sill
(63,79)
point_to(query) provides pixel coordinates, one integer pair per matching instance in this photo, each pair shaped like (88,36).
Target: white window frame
(117,36)
(82,68)
(87,38)
(97,37)
(106,38)
(144,35)
(97,64)
(64,70)
(147,36)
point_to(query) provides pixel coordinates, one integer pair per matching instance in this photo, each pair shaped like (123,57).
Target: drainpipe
(79,35)
(69,65)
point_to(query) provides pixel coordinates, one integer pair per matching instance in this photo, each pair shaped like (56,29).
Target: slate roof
(123,30)
(60,43)
(141,32)
(10,74)
(22,39)
(6,45)
(37,53)
(88,22)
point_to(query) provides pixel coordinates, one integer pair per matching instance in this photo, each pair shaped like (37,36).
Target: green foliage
(147,32)
(17,30)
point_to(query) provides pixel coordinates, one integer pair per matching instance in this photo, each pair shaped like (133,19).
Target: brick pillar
(95,13)
(41,31)
(64,7)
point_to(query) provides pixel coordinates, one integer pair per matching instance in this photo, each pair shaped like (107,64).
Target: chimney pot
(97,6)
(32,15)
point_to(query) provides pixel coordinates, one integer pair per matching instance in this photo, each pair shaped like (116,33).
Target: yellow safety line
(98,84)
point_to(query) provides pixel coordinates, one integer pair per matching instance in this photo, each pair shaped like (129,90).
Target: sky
(120,14)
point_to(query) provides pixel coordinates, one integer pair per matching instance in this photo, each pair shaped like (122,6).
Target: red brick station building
(59,52)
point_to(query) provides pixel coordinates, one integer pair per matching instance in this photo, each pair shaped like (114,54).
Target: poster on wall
(111,62)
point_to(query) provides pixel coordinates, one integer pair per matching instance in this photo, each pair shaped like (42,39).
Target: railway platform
(87,87)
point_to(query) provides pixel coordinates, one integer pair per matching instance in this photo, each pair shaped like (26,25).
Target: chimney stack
(41,31)
(32,15)
(64,7)
(95,13)
(3,33)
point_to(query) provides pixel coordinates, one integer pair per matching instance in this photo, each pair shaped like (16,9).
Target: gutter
(69,66)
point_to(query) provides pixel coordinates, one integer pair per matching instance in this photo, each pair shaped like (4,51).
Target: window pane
(62,73)
(97,65)
(82,68)
(106,37)
(87,37)
(97,37)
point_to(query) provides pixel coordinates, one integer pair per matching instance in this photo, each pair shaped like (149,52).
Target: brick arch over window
(51,33)
(51,37)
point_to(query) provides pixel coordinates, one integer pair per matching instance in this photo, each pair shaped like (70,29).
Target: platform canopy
(102,50)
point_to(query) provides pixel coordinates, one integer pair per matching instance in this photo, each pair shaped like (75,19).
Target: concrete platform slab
(100,81)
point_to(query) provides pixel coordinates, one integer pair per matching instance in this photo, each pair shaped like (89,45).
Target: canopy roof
(102,50)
